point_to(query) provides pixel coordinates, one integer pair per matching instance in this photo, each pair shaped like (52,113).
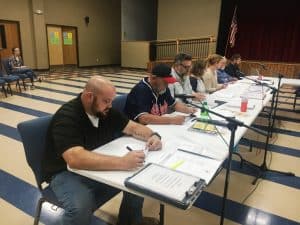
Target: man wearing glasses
(180,71)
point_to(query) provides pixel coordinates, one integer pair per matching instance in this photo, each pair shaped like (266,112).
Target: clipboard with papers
(178,178)
(170,186)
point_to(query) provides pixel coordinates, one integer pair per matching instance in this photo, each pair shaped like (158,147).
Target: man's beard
(157,91)
(100,115)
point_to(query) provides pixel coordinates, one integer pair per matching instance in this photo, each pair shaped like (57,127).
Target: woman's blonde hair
(213,59)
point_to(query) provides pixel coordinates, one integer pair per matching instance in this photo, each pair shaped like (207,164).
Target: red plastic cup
(244,104)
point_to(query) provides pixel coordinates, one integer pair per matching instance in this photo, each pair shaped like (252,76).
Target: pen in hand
(129,149)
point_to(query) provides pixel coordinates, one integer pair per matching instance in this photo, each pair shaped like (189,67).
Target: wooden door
(12,38)
(69,45)
(54,36)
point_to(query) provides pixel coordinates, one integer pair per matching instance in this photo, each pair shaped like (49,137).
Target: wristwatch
(156,134)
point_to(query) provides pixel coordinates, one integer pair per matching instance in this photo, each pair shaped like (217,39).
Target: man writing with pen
(78,127)
(150,99)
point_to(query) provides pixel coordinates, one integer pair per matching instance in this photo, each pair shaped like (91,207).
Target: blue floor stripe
(65,84)
(282,109)
(272,147)
(240,213)
(288,103)
(137,79)
(66,92)
(23,109)
(110,78)
(278,117)
(273,177)
(9,131)
(24,196)
(131,75)
(57,91)
(289,97)
(279,130)
(81,81)
(40,98)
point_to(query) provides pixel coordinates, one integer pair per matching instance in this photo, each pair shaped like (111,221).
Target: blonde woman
(210,77)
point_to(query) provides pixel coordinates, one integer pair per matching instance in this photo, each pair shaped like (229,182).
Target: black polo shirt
(72,127)
(143,100)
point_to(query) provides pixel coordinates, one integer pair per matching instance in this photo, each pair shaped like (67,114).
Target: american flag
(233,29)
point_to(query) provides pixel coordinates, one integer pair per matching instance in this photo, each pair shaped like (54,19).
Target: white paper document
(198,166)
(164,181)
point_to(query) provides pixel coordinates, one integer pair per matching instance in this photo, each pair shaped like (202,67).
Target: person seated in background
(150,99)
(76,129)
(16,65)
(223,77)
(210,75)
(180,71)
(233,66)
(197,72)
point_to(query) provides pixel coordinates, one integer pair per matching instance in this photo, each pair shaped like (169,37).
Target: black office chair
(33,134)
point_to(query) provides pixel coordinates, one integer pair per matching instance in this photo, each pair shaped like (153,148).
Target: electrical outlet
(97,60)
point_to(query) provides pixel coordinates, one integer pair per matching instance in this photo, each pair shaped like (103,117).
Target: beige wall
(19,10)
(189,18)
(101,39)
(135,54)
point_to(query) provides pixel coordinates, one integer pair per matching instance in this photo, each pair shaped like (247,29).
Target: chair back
(33,134)
(119,102)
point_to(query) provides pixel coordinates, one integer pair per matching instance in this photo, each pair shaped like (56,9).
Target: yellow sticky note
(204,126)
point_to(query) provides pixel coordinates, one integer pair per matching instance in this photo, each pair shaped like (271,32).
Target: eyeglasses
(185,67)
